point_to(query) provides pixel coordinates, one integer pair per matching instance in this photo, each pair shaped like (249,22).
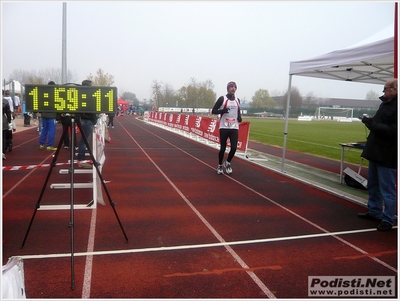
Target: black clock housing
(70,99)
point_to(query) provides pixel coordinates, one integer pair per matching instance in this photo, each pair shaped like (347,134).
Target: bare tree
(40,77)
(311,101)
(197,94)
(372,95)
(156,93)
(168,95)
(296,100)
(101,78)
(130,97)
(261,99)
(277,93)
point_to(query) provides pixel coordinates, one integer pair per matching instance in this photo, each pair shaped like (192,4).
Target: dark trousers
(27,119)
(87,129)
(233,136)
(110,120)
(7,140)
(66,123)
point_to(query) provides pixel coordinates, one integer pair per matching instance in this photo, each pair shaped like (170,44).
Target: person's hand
(367,121)
(223,111)
(239,119)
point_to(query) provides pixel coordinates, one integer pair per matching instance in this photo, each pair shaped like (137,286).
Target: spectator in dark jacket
(87,122)
(6,125)
(381,152)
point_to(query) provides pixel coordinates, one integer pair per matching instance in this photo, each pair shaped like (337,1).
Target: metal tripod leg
(71,224)
(53,163)
(96,165)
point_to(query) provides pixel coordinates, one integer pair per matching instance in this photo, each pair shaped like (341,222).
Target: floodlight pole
(64,45)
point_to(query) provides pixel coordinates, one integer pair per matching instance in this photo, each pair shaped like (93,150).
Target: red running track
(192,233)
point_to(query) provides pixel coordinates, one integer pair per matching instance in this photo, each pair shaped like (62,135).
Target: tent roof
(123,102)
(13,84)
(371,62)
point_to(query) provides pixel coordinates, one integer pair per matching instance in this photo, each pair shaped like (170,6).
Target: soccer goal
(331,113)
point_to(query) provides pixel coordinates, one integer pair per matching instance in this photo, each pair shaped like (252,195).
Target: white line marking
(260,284)
(284,208)
(90,253)
(87,279)
(199,246)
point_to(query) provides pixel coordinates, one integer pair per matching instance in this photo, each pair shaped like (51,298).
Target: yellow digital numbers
(35,98)
(97,96)
(70,99)
(59,102)
(110,96)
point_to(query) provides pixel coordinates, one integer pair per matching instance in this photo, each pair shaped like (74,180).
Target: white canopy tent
(14,87)
(370,61)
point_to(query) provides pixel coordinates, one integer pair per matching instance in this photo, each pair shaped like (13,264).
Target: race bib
(230,122)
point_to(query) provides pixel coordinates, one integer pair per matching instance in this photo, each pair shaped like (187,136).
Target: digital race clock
(70,99)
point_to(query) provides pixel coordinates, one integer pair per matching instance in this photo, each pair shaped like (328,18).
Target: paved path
(19,122)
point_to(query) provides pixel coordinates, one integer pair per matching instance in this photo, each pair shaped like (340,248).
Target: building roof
(352,103)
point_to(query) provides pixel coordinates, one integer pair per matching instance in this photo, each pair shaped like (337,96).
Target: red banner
(205,127)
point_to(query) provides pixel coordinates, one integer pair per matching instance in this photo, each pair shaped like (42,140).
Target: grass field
(316,137)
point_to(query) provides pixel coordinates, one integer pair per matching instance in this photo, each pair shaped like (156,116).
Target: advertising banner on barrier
(202,126)
(98,152)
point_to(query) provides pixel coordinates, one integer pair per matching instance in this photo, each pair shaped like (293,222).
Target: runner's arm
(217,105)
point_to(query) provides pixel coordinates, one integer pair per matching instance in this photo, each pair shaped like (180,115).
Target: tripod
(71,171)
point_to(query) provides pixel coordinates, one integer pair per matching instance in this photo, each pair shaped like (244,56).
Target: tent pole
(286,122)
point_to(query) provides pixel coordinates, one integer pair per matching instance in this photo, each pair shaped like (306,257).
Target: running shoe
(51,148)
(228,167)
(41,146)
(220,170)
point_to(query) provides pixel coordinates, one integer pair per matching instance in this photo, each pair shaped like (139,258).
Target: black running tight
(233,136)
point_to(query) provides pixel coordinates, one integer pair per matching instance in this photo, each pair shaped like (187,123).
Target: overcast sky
(138,42)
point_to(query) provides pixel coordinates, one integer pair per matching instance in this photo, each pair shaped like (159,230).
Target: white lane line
(227,245)
(199,246)
(87,279)
(283,207)
(258,281)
